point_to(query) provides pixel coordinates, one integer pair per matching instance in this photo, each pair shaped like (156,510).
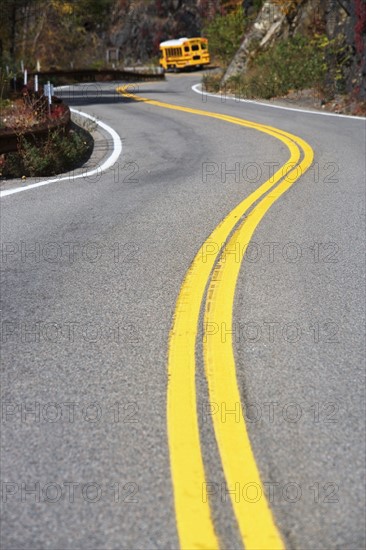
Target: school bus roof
(177,42)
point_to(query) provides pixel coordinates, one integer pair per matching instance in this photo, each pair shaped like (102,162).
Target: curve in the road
(194,523)
(198,89)
(234,445)
(110,161)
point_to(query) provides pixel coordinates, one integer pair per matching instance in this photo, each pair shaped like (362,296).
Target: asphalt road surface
(92,266)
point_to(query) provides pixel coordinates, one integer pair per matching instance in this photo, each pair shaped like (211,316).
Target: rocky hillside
(344,23)
(139,26)
(76,33)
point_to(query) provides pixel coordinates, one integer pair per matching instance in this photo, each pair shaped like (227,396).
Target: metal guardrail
(95,75)
(10,138)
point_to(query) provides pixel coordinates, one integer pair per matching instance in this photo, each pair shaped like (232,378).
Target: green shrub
(338,57)
(224,33)
(4,103)
(4,83)
(98,64)
(211,82)
(293,64)
(61,152)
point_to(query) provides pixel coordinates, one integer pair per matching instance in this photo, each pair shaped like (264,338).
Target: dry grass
(21,114)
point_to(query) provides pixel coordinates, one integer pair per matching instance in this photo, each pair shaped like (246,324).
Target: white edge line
(117,150)
(198,89)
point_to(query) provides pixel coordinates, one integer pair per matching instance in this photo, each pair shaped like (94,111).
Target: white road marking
(117,150)
(198,89)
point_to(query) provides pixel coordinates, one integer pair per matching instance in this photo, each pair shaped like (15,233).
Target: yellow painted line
(194,522)
(250,505)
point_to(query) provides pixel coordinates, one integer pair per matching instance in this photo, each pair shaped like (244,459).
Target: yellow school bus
(183,53)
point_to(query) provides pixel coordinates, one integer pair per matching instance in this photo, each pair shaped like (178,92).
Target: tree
(17,26)
(54,30)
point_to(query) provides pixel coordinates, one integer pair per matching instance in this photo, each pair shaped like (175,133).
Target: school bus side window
(186,48)
(194,47)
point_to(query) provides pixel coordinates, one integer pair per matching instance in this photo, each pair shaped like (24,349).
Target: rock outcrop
(269,24)
(344,22)
(276,20)
(346,25)
(138,26)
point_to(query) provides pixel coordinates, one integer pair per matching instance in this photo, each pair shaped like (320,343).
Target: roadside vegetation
(60,152)
(224,33)
(56,33)
(308,65)
(293,64)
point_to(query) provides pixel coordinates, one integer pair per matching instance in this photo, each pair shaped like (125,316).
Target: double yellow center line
(219,270)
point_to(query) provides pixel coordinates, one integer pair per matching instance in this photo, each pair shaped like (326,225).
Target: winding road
(183,329)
